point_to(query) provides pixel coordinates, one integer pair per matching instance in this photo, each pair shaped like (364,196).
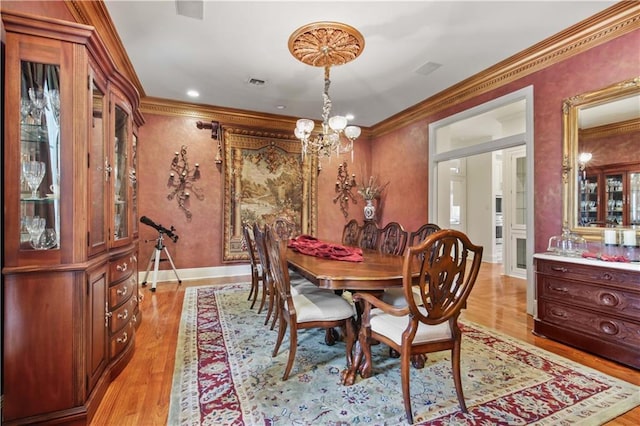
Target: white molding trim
(167,276)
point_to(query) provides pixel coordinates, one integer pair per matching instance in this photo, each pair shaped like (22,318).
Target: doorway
(463,149)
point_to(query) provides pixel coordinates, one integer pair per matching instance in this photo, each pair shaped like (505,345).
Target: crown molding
(613,22)
(95,13)
(613,129)
(226,116)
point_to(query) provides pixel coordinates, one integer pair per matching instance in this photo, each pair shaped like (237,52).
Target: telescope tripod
(158,249)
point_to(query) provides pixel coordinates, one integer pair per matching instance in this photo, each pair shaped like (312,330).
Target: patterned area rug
(225,375)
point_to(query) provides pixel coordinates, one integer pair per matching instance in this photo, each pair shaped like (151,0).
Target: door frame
(525,138)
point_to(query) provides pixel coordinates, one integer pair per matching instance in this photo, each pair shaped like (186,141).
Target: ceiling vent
(256,82)
(190,8)
(428,68)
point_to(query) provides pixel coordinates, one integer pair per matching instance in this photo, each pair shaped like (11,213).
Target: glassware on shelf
(25,110)
(54,104)
(48,239)
(38,102)
(35,226)
(33,172)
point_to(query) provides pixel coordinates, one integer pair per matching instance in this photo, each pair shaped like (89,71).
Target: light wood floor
(140,394)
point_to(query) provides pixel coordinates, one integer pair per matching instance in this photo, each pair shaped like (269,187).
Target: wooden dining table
(376,273)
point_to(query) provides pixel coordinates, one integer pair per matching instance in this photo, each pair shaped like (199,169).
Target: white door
(515,212)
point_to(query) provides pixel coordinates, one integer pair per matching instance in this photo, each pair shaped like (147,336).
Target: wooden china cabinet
(69,275)
(610,195)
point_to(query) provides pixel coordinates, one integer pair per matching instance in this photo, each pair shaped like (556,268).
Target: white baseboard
(191,274)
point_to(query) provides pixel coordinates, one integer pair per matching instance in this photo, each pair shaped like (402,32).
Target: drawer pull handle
(122,291)
(124,315)
(560,269)
(123,339)
(609,328)
(609,299)
(557,313)
(122,268)
(134,319)
(560,289)
(607,276)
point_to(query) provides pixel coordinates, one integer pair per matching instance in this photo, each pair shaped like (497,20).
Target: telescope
(161,229)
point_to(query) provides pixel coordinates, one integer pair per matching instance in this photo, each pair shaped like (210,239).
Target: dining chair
(299,284)
(257,275)
(392,239)
(444,267)
(368,238)
(421,233)
(313,309)
(284,228)
(268,293)
(350,233)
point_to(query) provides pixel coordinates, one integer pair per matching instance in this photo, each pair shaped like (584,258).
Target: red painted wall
(200,240)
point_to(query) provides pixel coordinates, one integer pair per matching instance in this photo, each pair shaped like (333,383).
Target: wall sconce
(583,159)
(181,180)
(215,135)
(344,185)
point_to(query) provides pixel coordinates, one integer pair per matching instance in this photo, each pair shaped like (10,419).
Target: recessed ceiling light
(349,117)
(280,107)
(193,93)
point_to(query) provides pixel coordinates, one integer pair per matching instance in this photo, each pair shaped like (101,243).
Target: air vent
(256,82)
(428,68)
(190,8)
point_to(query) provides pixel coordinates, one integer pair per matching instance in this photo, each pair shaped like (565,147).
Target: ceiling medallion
(322,44)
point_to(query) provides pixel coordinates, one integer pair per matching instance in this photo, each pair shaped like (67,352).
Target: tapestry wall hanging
(265,177)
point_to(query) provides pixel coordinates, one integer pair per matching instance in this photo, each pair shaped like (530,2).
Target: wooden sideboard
(591,305)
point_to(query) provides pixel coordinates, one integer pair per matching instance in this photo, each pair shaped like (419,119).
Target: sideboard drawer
(122,291)
(604,299)
(594,274)
(604,327)
(121,316)
(122,267)
(121,339)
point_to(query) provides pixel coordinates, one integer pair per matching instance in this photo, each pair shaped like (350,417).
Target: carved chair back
(392,239)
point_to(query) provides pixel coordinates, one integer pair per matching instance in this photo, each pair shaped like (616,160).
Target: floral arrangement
(372,189)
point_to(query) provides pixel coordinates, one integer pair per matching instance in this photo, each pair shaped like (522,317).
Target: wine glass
(38,101)
(25,109)
(35,226)
(54,104)
(33,172)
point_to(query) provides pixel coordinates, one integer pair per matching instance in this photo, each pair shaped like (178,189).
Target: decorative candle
(610,236)
(629,238)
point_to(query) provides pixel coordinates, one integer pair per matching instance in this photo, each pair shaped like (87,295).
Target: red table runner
(306,244)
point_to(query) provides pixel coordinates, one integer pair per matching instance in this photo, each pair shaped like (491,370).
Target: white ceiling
(239,40)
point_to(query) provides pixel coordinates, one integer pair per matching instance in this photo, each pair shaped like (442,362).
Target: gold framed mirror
(601,160)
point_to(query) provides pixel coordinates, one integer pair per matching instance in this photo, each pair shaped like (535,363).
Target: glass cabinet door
(634,199)
(39,178)
(98,171)
(614,198)
(133,181)
(120,175)
(589,202)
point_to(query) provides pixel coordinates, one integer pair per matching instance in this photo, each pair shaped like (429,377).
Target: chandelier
(324,44)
